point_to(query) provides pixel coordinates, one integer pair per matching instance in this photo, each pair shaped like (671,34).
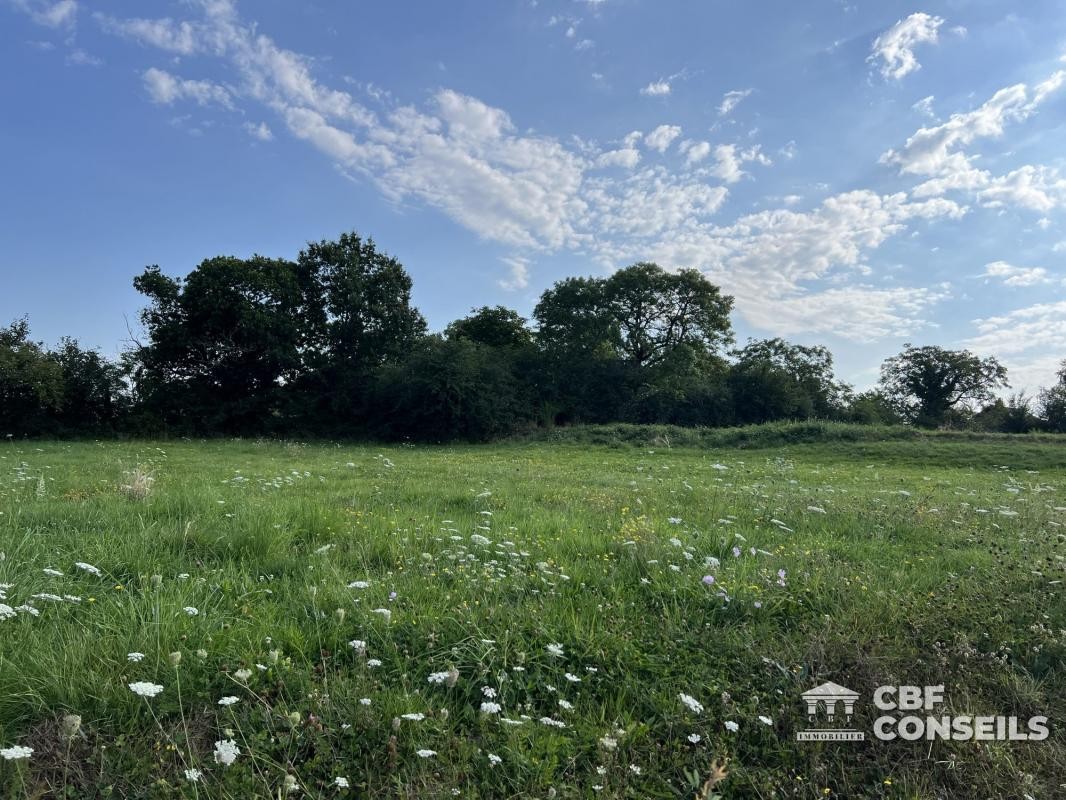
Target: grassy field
(524,620)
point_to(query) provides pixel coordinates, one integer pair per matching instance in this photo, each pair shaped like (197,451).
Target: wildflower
(28,609)
(201,653)
(175,658)
(226,752)
(555,650)
(494,760)
(71,725)
(290,784)
(634,769)
(426,753)
(373,662)
(553,723)
(16,753)
(816,509)
(488,691)
(736,552)
(708,580)
(674,520)
(134,657)
(566,704)
(359,585)
(691,702)
(192,611)
(193,775)
(88,568)
(572,677)
(341,783)
(416,716)
(145,689)
(765,720)
(55,573)
(358,645)
(6,611)
(228,700)
(489,707)
(695,738)
(384,612)
(364,701)
(608,743)
(712,562)
(731,726)
(437,677)
(242,674)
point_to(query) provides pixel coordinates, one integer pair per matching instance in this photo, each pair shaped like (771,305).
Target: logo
(831,706)
(831,701)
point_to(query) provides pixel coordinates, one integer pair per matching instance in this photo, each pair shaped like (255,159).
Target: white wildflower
(88,568)
(226,752)
(228,700)
(16,753)
(145,689)
(135,657)
(691,702)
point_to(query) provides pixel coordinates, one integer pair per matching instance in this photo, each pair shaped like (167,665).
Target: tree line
(330,345)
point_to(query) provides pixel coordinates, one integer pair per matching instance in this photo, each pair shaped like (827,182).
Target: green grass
(937,560)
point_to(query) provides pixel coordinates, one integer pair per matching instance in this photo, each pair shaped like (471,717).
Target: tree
(1052,404)
(358,309)
(448,389)
(873,408)
(495,327)
(223,344)
(772,379)
(928,383)
(613,344)
(31,382)
(94,393)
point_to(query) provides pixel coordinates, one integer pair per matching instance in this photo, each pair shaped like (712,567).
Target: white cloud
(165,89)
(61,14)
(182,38)
(695,151)
(662,137)
(1011,275)
(895,47)
(730,159)
(627,157)
(261,131)
(518,274)
(925,107)
(1025,329)
(731,99)
(656,88)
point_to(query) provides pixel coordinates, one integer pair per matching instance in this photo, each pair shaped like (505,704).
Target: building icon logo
(828,706)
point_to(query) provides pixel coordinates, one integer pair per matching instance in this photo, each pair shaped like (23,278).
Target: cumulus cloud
(938,153)
(164,88)
(261,131)
(1025,329)
(731,158)
(183,38)
(662,137)
(1011,275)
(657,88)
(731,99)
(894,49)
(518,274)
(60,14)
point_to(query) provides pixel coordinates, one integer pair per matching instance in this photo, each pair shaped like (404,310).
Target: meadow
(595,615)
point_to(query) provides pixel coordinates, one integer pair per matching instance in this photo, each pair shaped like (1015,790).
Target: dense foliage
(330,345)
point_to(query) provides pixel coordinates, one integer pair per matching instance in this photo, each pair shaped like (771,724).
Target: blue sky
(856,174)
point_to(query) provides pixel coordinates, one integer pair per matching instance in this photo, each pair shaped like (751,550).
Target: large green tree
(1052,404)
(631,344)
(222,344)
(359,317)
(31,382)
(929,383)
(773,379)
